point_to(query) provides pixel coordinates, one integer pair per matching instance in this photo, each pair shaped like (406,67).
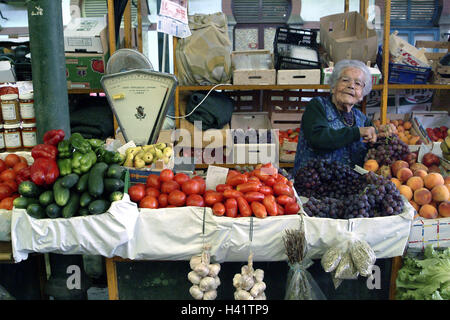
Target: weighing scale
(138,96)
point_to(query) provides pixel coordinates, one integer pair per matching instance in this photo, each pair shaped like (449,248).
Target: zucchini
(115,171)
(98,206)
(46,198)
(70,180)
(29,189)
(72,206)
(53,211)
(60,193)
(23,202)
(85,199)
(36,211)
(112,184)
(95,181)
(82,183)
(83,212)
(116,196)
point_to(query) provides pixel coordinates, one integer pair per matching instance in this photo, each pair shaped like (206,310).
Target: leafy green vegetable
(425,279)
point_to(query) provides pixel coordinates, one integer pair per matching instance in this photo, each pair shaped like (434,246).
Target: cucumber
(36,211)
(98,206)
(115,171)
(85,199)
(70,180)
(53,211)
(46,198)
(116,196)
(95,181)
(72,206)
(23,202)
(82,183)
(29,189)
(83,212)
(112,184)
(60,193)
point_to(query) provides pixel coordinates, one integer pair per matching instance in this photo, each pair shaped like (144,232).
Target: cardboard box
(254,77)
(85,70)
(286,120)
(86,35)
(349,38)
(423,120)
(300,76)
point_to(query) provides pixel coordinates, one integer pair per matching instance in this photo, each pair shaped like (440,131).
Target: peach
(434,168)
(406,191)
(422,196)
(444,209)
(397,165)
(397,182)
(371,165)
(432,180)
(433,203)
(415,183)
(448,186)
(447,180)
(415,205)
(428,212)
(440,193)
(420,173)
(419,166)
(407,125)
(404,174)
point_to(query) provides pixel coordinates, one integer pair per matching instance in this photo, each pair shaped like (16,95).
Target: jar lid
(28,125)
(9,96)
(26,96)
(11,125)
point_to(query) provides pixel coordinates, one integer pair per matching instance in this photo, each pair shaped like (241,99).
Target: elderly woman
(331,128)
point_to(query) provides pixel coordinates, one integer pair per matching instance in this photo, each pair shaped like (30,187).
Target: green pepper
(79,143)
(118,158)
(109,157)
(87,161)
(64,149)
(65,166)
(96,143)
(100,154)
(76,162)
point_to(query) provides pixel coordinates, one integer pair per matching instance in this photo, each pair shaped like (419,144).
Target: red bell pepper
(44,171)
(53,137)
(44,151)
(24,174)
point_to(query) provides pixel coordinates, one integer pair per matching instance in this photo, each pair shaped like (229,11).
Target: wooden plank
(433,44)
(6,251)
(127,25)
(396,265)
(385,68)
(111,274)
(111,27)
(139,30)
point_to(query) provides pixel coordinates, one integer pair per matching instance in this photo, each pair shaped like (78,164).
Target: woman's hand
(368,134)
(387,130)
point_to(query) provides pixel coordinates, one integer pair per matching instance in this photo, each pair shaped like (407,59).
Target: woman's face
(348,89)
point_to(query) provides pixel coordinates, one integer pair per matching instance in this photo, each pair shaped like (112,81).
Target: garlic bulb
(204,276)
(249,283)
(196,293)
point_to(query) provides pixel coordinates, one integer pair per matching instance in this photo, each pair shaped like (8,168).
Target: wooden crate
(246,101)
(286,120)
(434,58)
(254,77)
(300,76)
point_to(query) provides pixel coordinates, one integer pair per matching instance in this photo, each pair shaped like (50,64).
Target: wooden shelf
(419,86)
(232,165)
(262,87)
(84,91)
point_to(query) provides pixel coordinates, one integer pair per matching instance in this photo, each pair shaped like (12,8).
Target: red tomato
(254,179)
(177,198)
(284,199)
(223,187)
(181,177)
(192,186)
(280,188)
(248,187)
(163,200)
(3,166)
(265,190)
(12,184)
(137,192)
(5,191)
(218,209)
(237,179)
(230,193)
(153,181)
(270,204)
(18,166)
(213,197)
(232,173)
(202,184)
(7,203)
(253,196)
(244,207)
(150,191)
(195,200)
(11,159)
(166,175)
(270,181)
(291,208)
(280,210)
(258,209)
(231,208)
(23,159)
(8,174)
(169,186)
(149,202)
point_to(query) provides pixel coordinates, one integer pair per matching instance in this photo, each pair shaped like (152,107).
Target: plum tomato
(195,200)
(181,177)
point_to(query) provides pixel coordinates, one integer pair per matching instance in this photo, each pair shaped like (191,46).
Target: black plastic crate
(289,63)
(298,37)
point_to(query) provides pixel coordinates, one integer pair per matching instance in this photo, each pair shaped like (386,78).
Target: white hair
(344,64)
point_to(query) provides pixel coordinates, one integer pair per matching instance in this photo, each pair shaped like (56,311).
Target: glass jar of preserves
(2,139)
(10,108)
(26,104)
(29,136)
(13,137)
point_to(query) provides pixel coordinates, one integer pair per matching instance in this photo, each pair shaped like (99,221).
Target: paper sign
(124,148)
(174,9)
(173,18)
(214,176)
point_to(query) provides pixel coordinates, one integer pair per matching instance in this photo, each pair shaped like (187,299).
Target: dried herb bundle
(295,245)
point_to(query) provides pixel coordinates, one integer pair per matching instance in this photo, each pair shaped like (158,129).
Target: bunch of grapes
(387,150)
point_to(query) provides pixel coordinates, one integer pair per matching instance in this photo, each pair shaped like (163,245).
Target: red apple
(430,159)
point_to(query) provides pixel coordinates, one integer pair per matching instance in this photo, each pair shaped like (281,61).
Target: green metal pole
(48,66)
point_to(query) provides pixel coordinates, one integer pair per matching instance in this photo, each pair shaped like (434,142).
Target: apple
(430,159)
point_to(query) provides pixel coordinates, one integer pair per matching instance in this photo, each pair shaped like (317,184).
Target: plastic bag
(300,283)
(363,257)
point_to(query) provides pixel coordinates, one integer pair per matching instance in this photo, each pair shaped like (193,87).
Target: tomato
(230,193)
(150,191)
(265,190)
(23,159)
(248,187)
(195,200)
(260,174)
(19,166)
(270,204)
(202,184)
(237,179)
(291,208)
(270,181)
(284,199)
(244,207)
(269,169)
(280,210)
(149,202)
(253,196)
(3,166)
(192,186)
(231,208)
(163,200)
(11,159)
(280,188)
(5,191)
(223,187)
(166,175)
(258,209)
(254,179)
(8,174)
(7,203)
(232,173)
(137,192)
(177,198)
(181,177)
(218,209)
(169,186)
(213,197)
(12,184)
(153,181)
